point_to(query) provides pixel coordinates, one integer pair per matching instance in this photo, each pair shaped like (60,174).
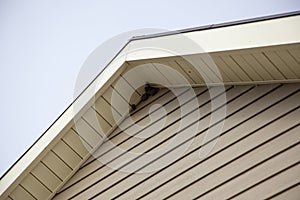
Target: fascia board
(244,36)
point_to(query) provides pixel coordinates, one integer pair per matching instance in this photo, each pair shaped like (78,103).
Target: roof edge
(219,25)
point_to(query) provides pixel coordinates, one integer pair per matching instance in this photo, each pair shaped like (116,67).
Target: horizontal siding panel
(153,127)
(172,122)
(258,154)
(32,185)
(151,183)
(46,176)
(228,138)
(291,193)
(21,194)
(255,175)
(171,172)
(279,182)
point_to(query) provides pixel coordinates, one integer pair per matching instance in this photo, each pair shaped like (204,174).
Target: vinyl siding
(256,154)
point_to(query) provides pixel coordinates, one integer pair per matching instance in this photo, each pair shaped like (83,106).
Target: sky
(43,44)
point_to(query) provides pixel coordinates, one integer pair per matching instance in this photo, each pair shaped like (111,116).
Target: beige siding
(256,154)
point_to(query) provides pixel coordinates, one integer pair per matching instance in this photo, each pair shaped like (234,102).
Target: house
(209,112)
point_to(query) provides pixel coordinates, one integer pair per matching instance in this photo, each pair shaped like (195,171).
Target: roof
(258,51)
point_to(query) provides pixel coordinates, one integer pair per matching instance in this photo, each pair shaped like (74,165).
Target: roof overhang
(258,52)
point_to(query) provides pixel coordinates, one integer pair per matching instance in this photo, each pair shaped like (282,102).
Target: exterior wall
(256,155)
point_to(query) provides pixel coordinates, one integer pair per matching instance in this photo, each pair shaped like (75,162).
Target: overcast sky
(43,44)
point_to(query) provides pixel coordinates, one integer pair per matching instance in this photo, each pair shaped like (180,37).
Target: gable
(243,59)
